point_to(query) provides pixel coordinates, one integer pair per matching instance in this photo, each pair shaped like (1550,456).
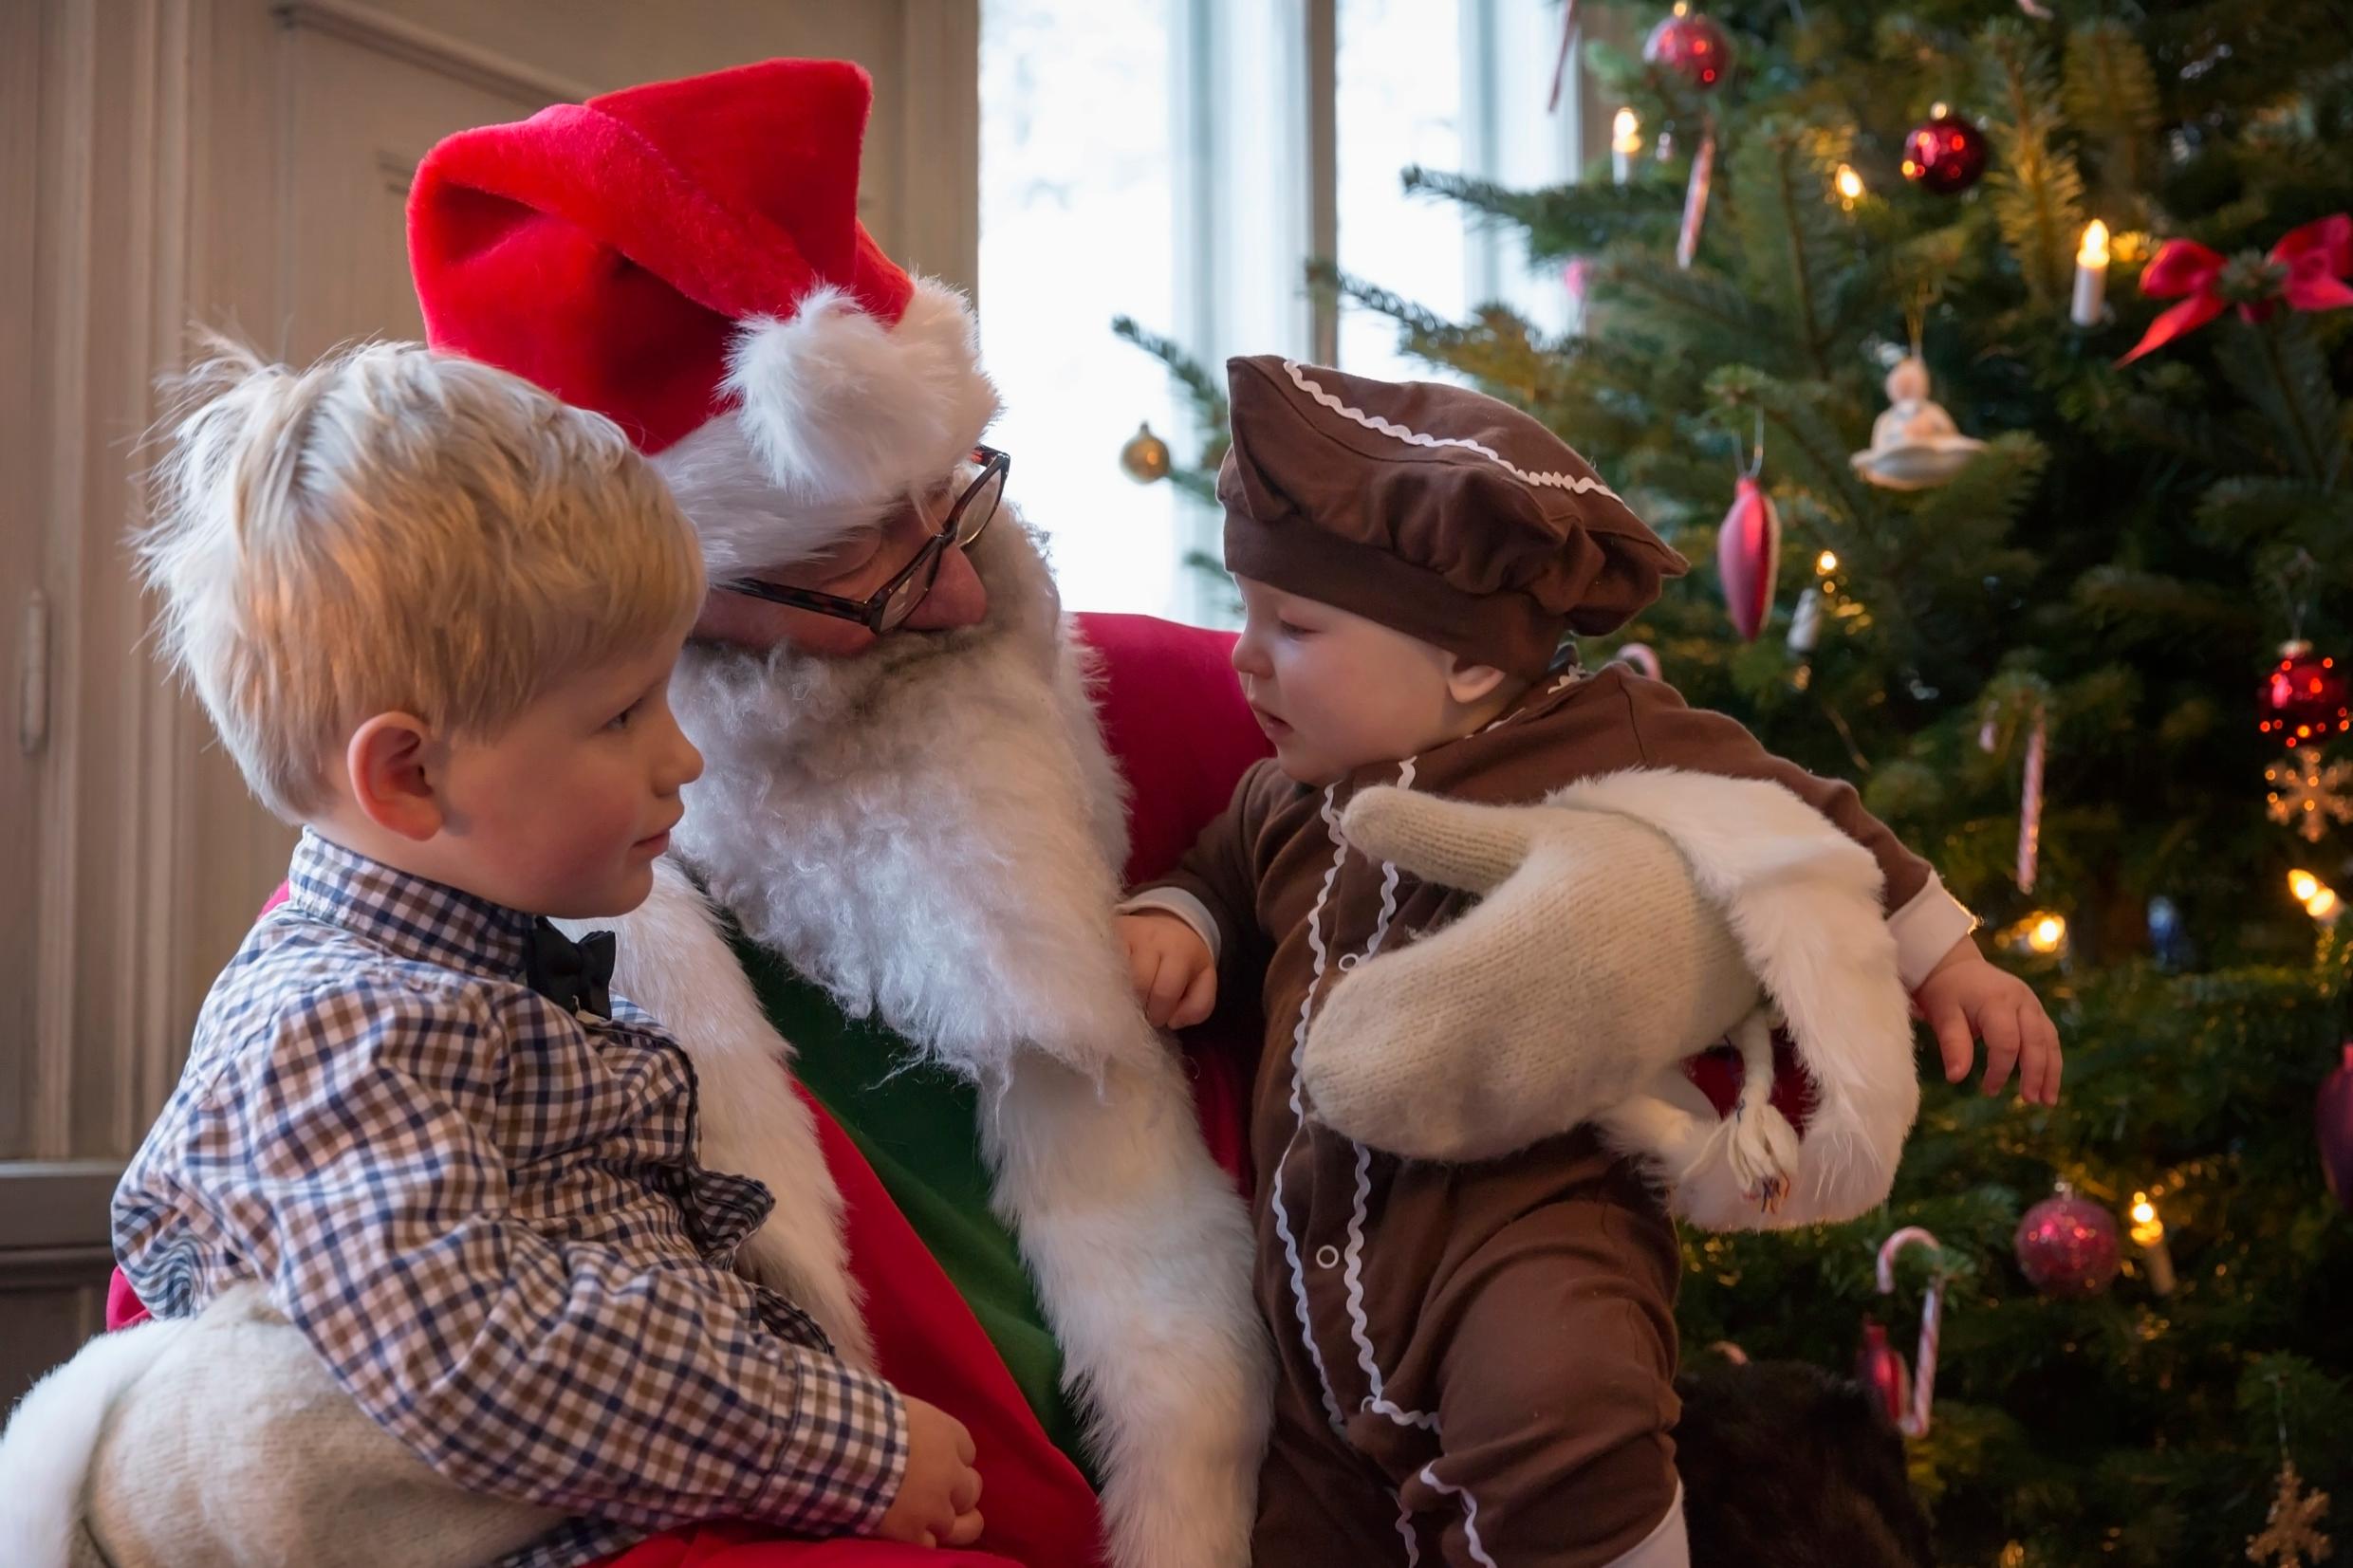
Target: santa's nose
(958,598)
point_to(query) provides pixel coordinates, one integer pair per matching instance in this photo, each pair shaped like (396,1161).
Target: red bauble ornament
(1878,1367)
(1945,156)
(1691,45)
(2333,1114)
(2305,698)
(1747,551)
(2068,1246)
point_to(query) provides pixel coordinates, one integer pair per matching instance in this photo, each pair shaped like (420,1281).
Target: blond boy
(433,613)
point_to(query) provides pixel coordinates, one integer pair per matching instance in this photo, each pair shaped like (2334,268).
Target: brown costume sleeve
(1221,869)
(1673,734)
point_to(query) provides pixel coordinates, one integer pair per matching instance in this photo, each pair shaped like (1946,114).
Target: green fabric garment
(918,1127)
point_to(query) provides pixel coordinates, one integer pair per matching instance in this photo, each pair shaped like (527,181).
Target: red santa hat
(686,259)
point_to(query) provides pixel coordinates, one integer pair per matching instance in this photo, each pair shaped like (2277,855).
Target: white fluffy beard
(931,830)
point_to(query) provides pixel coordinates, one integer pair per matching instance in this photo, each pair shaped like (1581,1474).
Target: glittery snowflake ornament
(2306,795)
(2292,1538)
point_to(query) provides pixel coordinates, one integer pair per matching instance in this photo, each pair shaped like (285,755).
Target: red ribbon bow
(2316,258)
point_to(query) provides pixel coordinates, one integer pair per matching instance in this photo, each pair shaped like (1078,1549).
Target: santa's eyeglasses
(887,608)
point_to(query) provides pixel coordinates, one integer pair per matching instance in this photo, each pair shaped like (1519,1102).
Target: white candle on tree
(2091,275)
(1624,141)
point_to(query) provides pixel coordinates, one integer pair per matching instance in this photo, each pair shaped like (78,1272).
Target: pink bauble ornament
(2333,1114)
(2068,1246)
(1747,551)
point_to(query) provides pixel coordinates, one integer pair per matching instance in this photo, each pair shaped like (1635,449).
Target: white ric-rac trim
(1573,482)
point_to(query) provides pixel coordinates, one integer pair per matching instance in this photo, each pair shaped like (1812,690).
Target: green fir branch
(1802,447)
(2038,193)
(1561,220)
(2110,93)
(1978,505)
(1779,188)
(2277,366)
(2116,596)
(1208,396)
(1698,300)
(1416,324)
(2247,509)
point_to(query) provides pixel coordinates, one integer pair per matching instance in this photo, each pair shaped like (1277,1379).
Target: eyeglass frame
(868,612)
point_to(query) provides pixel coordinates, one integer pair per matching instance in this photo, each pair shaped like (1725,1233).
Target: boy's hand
(1965,998)
(938,1501)
(1176,976)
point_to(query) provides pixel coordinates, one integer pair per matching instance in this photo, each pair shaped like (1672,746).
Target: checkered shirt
(487,1216)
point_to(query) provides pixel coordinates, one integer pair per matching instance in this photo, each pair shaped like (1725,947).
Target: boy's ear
(1471,684)
(389,783)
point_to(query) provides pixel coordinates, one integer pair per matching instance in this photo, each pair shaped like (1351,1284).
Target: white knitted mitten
(1592,963)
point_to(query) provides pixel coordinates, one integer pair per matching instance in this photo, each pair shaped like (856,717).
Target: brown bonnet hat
(1440,512)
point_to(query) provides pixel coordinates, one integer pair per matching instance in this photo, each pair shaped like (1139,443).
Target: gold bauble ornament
(1145,457)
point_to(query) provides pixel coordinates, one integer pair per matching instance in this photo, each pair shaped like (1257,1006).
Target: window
(1398,101)
(1077,227)
(1161,158)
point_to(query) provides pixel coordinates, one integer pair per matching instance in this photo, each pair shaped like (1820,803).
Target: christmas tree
(2044,638)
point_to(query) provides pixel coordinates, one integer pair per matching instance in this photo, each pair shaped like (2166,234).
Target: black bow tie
(576,976)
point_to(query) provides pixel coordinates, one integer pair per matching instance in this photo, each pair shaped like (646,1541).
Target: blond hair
(395,529)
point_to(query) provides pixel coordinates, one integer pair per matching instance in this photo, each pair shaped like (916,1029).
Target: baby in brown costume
(1477,1360)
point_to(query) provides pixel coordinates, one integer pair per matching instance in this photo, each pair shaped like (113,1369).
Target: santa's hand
(1592,963)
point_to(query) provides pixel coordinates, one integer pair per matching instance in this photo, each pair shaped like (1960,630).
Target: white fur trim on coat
(1803,901)
(52,1437)
(1142,1253)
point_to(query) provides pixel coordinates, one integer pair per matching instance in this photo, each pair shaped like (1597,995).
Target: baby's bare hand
(1175,977)
(1965,998)
(938,1501)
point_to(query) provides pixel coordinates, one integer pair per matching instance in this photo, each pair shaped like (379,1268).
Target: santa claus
(896,874)
(885,934)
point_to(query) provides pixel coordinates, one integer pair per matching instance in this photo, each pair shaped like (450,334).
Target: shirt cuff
(1184,906)
(1926,929)
(844,1451)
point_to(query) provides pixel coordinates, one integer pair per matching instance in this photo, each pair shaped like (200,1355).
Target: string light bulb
(2318,900)
(2047,934)
(1849,186)
(1825,562)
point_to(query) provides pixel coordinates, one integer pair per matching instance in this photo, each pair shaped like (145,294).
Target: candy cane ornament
(1913,1422)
